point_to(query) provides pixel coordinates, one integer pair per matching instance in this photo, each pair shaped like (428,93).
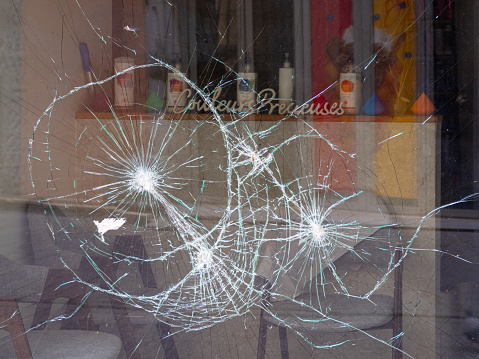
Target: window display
(225,178)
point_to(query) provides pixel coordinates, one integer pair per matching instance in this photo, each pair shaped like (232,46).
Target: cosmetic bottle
(176,86)
(246,86)
(124,82)
(286,83)
(350,89)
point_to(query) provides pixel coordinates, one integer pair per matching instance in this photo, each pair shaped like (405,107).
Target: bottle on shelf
(350,89)
(176,86)
(286,83)
(124,82)
(246,86)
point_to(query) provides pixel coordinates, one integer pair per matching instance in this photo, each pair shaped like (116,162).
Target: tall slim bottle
(286,83)
(246,87)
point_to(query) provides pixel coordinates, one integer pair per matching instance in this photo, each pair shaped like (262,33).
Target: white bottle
(246,87)
(176,91)
(350,90)
(286,84)
(123,87)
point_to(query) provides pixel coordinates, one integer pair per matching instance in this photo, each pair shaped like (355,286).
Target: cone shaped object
(374,106)
(423,106)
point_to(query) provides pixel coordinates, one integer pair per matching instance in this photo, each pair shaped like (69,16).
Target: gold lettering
(266,99)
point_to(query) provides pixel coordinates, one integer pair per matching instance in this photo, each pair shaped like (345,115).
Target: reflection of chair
(51,344)
(41,223)
(126,317)
(41,286)
(132,247)
(37,287)
(379,312)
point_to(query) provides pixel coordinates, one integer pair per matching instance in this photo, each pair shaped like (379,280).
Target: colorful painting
(393,52)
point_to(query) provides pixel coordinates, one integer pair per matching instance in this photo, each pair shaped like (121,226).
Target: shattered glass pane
(191,178)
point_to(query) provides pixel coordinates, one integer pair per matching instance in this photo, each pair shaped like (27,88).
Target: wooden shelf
(138,115)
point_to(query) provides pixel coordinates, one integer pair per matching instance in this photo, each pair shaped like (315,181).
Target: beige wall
(51,67)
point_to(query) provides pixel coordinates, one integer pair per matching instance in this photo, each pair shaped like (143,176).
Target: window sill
(127,114)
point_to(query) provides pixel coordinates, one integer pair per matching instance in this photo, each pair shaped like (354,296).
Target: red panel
(329,18)
(336,164)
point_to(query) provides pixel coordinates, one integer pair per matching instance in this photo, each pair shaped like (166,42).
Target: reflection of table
(288,287)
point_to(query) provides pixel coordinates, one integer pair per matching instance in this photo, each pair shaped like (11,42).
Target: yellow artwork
(396,20)
(396,159)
